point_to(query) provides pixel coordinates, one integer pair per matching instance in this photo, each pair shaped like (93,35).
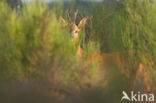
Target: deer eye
(76,31)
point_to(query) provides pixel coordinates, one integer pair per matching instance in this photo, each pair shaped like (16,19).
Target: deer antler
(68,16)
(75,15)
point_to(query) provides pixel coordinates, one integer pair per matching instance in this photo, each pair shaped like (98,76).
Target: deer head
(73,27)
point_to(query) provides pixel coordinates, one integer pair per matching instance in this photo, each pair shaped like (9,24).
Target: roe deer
(103,58)
(74,28)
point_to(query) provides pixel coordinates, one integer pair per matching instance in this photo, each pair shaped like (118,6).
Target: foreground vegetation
(38,60)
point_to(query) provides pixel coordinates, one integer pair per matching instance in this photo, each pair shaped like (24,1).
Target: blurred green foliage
(35,47)
(128,26)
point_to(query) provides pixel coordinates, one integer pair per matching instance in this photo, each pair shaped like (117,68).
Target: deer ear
(63,22)
(82,22)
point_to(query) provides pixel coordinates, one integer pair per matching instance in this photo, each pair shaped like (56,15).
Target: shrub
(34,46)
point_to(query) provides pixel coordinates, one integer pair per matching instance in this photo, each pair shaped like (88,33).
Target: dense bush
(34,46)
(128,26)
(137,28)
